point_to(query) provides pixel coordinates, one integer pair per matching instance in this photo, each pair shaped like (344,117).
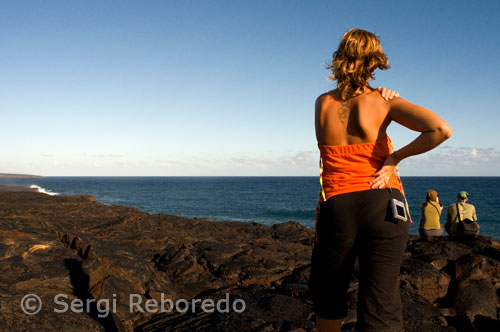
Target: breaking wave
(43,190)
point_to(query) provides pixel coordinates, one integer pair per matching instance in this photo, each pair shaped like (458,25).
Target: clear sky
(228,87)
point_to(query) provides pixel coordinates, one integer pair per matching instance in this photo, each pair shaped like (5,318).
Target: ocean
(266,200)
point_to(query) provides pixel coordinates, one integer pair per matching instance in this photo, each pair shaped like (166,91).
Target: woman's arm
(433,129)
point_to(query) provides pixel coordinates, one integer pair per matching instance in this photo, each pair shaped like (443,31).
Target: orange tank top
(350,168)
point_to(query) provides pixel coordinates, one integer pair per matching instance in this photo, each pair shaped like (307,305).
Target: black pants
(351,225)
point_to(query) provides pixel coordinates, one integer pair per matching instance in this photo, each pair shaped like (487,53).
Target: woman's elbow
(445,130)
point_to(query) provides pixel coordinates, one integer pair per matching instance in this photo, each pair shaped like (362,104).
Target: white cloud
(304,158)
(455,161)
(444,161)
(299,159)
(109,155)
(252,161)
(170,162)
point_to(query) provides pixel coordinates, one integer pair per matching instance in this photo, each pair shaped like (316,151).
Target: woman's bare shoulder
(327,97)
(327,101)
(373,104)
(374,97)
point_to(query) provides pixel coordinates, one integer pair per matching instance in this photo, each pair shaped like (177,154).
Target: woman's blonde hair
(354,62)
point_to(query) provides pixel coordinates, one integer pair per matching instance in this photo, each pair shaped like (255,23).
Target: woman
(354,216)
(430,225)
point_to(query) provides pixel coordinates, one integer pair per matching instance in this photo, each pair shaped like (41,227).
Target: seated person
(459,212)
(430,225)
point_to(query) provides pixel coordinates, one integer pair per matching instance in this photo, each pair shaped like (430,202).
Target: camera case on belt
(398,210)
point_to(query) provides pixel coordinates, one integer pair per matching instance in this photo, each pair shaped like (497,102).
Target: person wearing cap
(459,212)
(430,225)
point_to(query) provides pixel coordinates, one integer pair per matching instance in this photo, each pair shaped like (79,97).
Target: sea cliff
(80,257)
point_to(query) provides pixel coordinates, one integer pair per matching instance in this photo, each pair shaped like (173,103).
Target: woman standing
(430,225)
(354,216)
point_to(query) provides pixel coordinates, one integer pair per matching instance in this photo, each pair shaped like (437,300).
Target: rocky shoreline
(12,175)
(74,252)
(16,188)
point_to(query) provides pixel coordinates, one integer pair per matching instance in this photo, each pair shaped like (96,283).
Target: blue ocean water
(267,200)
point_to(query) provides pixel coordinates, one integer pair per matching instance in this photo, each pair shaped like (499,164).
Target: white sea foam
(43,190)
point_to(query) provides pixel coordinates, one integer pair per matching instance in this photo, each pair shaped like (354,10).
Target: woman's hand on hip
(383,175)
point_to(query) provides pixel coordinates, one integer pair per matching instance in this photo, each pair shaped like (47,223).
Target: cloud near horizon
(459,161)
(299,158)
(444,161)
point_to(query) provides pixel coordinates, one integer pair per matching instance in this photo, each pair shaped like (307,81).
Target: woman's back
(361,119)
(352,140)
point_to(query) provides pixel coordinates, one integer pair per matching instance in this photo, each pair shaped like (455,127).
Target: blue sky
(228,87)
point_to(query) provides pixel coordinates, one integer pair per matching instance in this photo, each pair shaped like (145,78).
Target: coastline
(76,246)
(16,188)
(11,175)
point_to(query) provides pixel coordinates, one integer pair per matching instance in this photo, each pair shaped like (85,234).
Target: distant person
(361,210)
(461,217)
(430,225)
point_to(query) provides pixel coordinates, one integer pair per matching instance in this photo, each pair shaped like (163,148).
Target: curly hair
(358,55)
